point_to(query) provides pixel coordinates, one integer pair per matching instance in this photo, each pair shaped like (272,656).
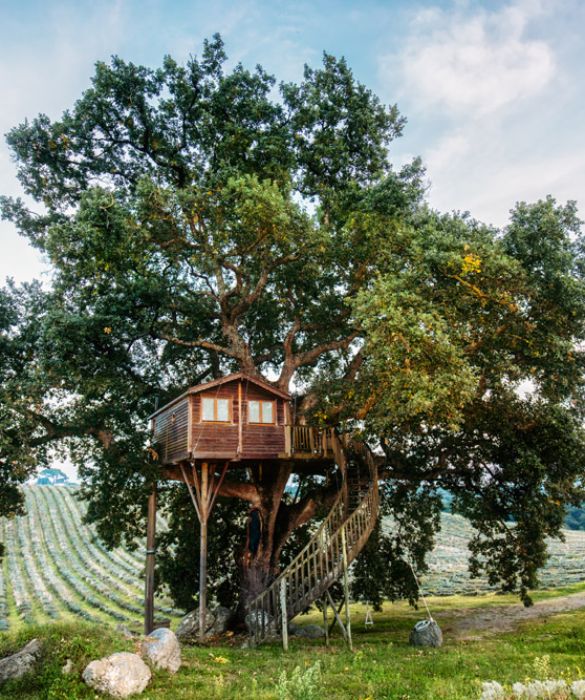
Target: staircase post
(346,587)
(283,614)
(325,620)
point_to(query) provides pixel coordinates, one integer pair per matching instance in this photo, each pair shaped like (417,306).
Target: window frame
(272,402)
(215,418)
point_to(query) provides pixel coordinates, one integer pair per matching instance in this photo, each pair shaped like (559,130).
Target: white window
(215,410)
(260,411)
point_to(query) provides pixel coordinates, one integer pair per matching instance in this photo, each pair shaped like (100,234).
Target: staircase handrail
(323,552)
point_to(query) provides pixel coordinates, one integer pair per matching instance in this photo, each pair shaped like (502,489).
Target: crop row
(106,568)
(55,564)
(3,593)
(69,566)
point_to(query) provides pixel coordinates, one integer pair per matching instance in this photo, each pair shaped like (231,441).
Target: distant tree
(197,225)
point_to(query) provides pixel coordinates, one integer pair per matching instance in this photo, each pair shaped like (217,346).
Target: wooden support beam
(203,496)
(336,616)
(283,614)
(204,505)
(346,587)
(150,554)
(325,620)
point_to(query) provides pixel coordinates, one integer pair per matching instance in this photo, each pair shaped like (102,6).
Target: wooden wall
(262,440)
(171,431)
(220,440)
(258,441)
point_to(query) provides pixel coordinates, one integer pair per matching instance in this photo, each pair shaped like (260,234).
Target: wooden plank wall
(259,441)
(215,437)
(262,440)
(172,433)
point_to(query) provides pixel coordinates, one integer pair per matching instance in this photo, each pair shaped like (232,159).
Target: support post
(325,620)
(203,551)
(150,553)
(346,588)
(283,614)
(206,491)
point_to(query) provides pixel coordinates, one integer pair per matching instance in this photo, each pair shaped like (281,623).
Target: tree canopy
(201,219)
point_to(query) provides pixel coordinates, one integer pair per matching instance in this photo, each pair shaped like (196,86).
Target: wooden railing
(305,439)
(323,560)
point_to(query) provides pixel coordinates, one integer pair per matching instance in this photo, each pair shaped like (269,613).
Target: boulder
(161,650)
(307,631)
(258,620)
(216,622)
(120,675)
(426,633)
(21,663)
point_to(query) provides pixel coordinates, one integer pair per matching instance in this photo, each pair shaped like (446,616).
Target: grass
(381,667)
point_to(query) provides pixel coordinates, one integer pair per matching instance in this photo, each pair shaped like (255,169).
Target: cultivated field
(56,569)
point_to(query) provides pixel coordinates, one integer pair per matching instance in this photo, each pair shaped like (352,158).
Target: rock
(161,650)
(426,633)
(307,631)
(125,631)
(67,667)
(216,622)
(21,663)
(120,675)
(260,619)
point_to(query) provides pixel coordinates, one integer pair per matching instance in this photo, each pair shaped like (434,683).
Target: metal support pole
(150,553)
(346,588)
(283,614)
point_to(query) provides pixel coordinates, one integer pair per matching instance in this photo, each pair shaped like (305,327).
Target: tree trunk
(257,564)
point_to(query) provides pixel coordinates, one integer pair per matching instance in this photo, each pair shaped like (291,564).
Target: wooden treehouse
(240,422)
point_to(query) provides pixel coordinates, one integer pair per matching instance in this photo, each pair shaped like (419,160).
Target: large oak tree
(201,220)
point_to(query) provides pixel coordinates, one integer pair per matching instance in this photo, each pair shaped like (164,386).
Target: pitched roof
(225,380)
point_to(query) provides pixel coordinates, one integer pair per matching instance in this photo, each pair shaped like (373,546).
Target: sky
(492,90)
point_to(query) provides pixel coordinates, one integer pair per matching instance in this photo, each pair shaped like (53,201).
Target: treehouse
(237,418)
(242,422)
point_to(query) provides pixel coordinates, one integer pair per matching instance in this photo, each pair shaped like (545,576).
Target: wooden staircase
(333,547)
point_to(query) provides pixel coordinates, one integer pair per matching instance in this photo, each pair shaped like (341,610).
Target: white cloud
(474,61)
(493,102)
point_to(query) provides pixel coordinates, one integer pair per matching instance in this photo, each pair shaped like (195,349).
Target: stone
(161,650)
(21,663)
(426,633)
(307,631)
(258,620)
(120,675)
(67,667)
(125,631)
(216,622)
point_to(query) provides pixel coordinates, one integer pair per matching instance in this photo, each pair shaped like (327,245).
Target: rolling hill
(55,568)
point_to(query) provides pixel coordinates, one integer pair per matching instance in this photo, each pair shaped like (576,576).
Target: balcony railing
(305,439)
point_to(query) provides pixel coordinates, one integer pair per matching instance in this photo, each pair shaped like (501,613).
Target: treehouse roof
(225,380)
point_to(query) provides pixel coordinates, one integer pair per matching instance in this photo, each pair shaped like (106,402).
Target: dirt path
(478,623)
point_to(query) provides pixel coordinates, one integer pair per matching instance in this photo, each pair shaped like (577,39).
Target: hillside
(56,569)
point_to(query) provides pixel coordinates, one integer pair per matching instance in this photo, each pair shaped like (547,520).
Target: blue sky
(493,91)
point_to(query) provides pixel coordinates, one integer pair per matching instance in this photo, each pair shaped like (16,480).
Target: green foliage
(198,223)
(302,685)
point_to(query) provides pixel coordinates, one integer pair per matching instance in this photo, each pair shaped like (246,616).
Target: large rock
(307,631)
(216,622)
(259,620)
(426,633)
(119,675)
(21,663)
(161,650)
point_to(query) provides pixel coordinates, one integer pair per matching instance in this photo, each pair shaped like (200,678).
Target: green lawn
(381,667)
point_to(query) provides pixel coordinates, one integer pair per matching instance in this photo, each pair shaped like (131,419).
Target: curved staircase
(328,554)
